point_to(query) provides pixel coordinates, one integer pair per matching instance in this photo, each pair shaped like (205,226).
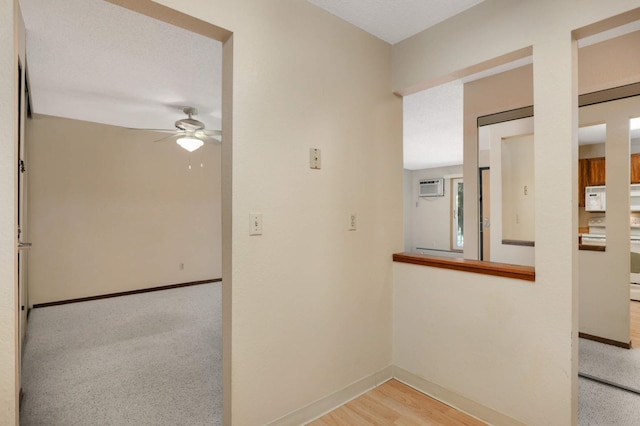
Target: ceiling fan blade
(189,128)
(211,139)
(205,132)
(168,137)
(154,130)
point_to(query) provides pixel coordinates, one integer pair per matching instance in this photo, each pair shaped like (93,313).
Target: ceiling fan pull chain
(189,161)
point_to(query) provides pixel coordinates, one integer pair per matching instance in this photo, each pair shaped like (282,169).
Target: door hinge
(21,166)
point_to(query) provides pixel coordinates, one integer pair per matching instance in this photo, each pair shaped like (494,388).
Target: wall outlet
(353,222)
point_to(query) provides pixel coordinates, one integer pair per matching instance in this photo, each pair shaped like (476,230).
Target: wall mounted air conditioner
(431,187)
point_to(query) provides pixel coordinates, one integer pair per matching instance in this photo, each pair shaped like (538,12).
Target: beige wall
(311,304)
(475,40)
(494,136)
(518,188)
(468,327)
(477,337)
(596,64)
(502,92)
(312,310)
(111,210)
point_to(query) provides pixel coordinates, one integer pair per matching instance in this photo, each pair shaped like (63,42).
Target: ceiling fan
(191,133)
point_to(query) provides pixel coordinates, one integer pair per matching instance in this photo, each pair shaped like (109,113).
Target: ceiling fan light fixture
(190,143)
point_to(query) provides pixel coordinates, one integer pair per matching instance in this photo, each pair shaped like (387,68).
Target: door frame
(481,226)
(455,215)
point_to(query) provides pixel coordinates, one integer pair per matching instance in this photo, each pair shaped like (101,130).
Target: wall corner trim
(325,405)
(453,399)
(332,401)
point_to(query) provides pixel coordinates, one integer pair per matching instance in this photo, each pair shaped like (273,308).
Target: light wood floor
(394,403)
(635,324)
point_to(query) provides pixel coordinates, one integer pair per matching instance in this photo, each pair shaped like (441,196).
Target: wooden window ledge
(518,272)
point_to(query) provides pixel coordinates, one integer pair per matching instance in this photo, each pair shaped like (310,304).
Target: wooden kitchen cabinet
(592,172)
(597,171)
(583,179)
(635,168)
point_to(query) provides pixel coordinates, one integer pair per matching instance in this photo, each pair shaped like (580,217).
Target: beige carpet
(147,359)
(601,404)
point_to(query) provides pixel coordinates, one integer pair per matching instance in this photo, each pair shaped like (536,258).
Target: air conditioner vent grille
(431,187)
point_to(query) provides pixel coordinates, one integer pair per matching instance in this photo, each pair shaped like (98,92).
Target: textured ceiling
(432,123)
(396,20)
(91,60)
(95,61)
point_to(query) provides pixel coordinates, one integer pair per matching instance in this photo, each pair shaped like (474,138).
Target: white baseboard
(330,402)
(454,400)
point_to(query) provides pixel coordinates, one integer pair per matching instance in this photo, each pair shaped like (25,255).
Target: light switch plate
(255,224)
(353,222)
(314,158)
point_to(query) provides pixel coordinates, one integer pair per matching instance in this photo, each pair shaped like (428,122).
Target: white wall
(111,210)
(430,217)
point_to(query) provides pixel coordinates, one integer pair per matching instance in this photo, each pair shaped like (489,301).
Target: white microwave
(634,197)
(595,198)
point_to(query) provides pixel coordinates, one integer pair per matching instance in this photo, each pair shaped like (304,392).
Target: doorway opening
(127,254)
